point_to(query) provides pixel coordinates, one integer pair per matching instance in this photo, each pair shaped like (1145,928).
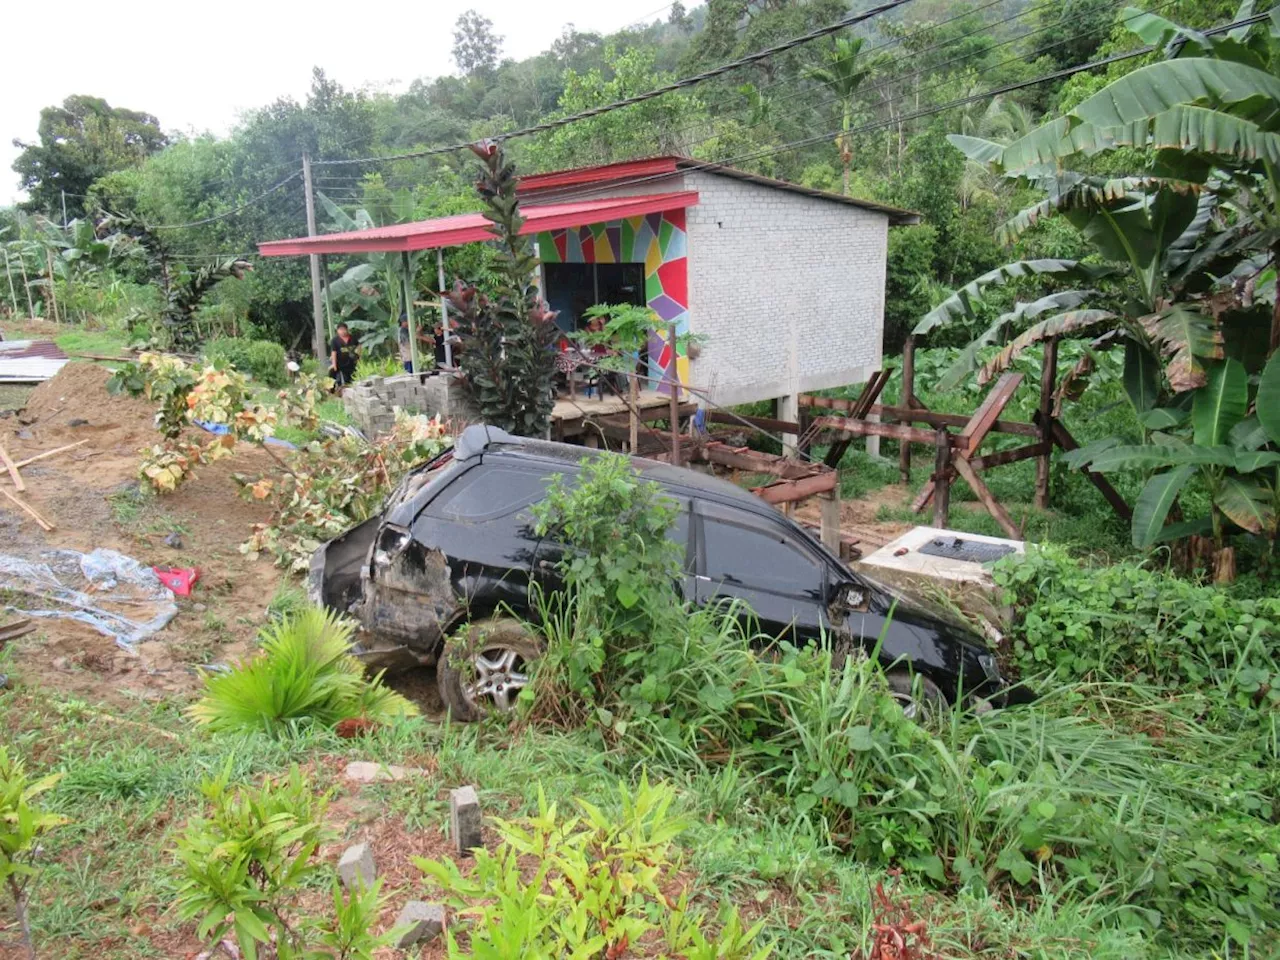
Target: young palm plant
(303,672)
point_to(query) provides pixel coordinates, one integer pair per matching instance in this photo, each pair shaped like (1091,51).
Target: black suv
(455,547)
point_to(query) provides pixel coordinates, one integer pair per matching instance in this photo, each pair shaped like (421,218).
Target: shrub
(243,863)
(600,886)
(302,673)
(1128,621)
(21,826)
(264,360)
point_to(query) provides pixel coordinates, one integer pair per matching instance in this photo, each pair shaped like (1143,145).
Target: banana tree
(1217,441)
(1208,114)
(370,294)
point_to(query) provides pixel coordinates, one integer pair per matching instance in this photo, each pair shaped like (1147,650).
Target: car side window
(489,492)
(759,555)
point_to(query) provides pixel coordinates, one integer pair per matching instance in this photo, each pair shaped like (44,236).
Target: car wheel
(484,667)
(919,696)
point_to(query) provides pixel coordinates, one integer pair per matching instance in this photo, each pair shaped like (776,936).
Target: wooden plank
(864,428)
(980,424)
(756,462)
(1112,495)
(908,395)
(45,525)
(789,491)
(12,467)
(764,423)
(982,463)
(49,453)
(19,628)
(1009,456)
(942,480)
(920,415)
(1048,380)
(988,499)
(830,513)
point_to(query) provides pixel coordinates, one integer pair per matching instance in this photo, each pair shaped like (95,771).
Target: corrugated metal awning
(473,227)
(29,361)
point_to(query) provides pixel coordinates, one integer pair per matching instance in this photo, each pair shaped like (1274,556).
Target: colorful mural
(657,240)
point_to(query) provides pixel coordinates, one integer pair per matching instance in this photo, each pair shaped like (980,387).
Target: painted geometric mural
(659,241)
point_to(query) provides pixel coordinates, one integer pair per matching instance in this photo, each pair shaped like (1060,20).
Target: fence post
(1048,380)
(905,400)
(942,480)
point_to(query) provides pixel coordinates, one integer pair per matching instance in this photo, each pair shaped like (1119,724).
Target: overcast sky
(197,67)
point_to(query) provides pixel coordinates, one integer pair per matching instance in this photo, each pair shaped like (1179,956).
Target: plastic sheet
(115,594)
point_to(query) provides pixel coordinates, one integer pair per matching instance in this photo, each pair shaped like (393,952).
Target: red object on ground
(178,579)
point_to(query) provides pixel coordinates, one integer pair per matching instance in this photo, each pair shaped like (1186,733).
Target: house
(784,285)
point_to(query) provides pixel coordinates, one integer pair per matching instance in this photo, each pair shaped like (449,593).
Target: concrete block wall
(372,403)
(788,289)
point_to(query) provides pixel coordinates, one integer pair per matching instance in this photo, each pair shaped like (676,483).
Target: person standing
(344,353)
(406,345)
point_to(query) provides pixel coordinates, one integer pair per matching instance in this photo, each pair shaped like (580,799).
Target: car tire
(484,666)
(919,696)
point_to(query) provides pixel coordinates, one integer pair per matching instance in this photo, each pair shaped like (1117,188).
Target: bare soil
(91,496)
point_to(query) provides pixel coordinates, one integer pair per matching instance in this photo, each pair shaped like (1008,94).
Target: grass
(107,343)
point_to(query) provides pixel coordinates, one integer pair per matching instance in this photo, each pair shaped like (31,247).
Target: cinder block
(422,923)
(356,867)
(465,819)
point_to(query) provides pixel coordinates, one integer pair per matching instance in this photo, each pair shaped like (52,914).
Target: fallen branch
(13,470)
(49,453)
(44,524)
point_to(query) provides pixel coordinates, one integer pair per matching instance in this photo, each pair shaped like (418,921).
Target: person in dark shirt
(344,352)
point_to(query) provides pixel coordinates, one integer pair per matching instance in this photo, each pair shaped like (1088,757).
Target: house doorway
(572,288)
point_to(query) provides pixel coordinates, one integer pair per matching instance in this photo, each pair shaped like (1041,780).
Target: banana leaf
(1153,89)
(1185,336)
(1220,404)
(1156,455)
(1249,505)
(1154,502)
(1072,321)
(1268,400)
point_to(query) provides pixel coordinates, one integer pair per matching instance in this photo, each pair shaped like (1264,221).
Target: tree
(80,141)
(507,340)
(842,75)
(476,48)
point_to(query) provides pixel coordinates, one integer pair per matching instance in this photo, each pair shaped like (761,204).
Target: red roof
(471,227)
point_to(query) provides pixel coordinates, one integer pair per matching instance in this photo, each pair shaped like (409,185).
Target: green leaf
(1162,418)
(1155,88)
(931,866)
(1249,506)
(1152,506)
(1201,130)
(1044,146)
(959,304)
(976,148)
(1247,461)
(1220,404)
(860,738)
(627,596)
(1161,455)
(1062,324)
(1268,399)
(967,361)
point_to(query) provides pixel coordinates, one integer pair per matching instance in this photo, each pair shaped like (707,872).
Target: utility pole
(317,299)
(64,209)
(13,294)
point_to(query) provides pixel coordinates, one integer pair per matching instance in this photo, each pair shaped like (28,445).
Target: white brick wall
(787,289)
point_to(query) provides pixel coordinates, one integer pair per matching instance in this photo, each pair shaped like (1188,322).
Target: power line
(841,24)
(233,211)
(695,166)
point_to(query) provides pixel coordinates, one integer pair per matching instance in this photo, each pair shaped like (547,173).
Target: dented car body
(456,544)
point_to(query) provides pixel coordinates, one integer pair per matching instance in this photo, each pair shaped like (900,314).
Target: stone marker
(464,819)
(356,867)
(422,922)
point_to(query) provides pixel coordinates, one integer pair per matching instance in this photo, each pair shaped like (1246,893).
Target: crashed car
(442,576)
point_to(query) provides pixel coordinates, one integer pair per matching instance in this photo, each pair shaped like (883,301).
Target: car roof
(497,443)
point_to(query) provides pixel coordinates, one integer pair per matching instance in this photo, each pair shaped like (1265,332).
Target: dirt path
(91,495)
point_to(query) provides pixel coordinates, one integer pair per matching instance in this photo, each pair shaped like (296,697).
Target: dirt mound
(79,393)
